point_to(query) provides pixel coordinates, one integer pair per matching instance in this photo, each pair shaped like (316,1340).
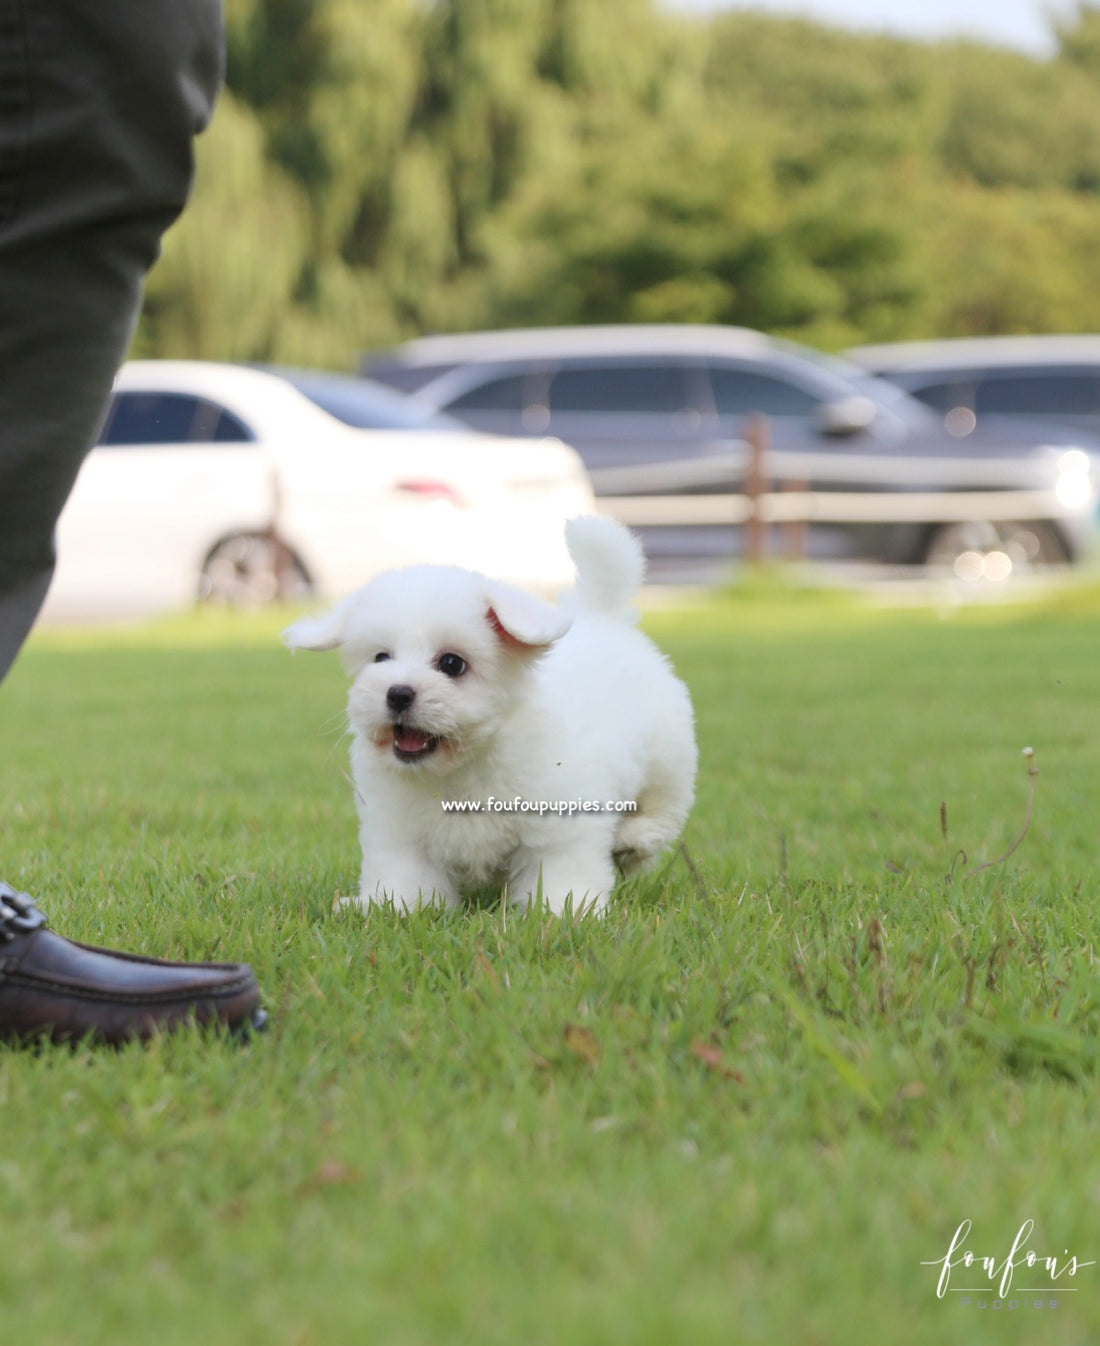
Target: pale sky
(1012,23)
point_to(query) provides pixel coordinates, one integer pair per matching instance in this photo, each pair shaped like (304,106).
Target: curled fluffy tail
(610,565)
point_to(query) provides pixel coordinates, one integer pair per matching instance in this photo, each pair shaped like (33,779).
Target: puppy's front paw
(405,899)
(556,886)
(360,903)
(365,902)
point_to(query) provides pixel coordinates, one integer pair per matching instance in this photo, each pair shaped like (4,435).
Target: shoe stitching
(222,992)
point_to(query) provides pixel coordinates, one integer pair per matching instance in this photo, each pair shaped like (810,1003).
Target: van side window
(940,392)
(503,394)
(745,392)
(631,389)
(1032,394)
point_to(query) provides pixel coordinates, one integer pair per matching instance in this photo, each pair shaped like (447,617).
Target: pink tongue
(408,740)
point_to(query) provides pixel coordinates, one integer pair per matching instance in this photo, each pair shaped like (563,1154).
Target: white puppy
(497,740)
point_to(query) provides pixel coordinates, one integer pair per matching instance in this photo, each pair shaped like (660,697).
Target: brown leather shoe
(52,988)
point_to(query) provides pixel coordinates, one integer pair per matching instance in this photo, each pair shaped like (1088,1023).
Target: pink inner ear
(506,636)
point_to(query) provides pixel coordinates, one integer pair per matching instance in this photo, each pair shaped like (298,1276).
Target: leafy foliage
(376,172)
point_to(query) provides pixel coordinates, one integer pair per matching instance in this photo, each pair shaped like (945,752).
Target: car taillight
(429,490)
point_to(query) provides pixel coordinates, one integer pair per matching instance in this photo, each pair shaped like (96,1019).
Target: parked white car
(237,484)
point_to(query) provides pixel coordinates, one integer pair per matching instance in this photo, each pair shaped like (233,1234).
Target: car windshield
(363,404)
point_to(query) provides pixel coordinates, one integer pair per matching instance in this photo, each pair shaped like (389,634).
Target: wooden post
(757,437)
(796,531)
(279,554)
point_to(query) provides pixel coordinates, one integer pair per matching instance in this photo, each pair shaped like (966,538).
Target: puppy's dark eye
(453,665)
(381,656)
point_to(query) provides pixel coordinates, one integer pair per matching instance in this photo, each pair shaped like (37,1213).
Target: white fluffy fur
(555,704)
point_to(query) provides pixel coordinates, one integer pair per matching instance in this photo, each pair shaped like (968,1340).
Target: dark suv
(659,415)
(1053,379)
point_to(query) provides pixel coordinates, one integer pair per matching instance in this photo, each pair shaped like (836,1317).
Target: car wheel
(984,550)
(248,570)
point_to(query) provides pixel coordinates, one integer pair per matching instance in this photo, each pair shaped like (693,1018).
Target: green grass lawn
(744,1108)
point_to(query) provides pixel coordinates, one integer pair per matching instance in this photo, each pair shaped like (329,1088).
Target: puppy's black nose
(400,697)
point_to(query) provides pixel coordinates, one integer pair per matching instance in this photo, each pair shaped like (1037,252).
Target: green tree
(1078,35)
(228,272)
(380,170)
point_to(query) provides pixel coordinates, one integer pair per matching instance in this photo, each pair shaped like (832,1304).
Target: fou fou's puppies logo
(1021,1278)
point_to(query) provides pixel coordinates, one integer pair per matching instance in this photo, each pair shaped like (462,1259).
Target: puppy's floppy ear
(523,621)
(322,632)
(335,630)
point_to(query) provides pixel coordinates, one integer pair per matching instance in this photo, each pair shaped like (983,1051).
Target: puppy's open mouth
(411,745)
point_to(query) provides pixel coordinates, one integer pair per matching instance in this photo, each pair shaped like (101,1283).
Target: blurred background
(838,174)
(378,172)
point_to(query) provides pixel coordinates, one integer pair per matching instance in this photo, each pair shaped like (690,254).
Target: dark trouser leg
(99,103)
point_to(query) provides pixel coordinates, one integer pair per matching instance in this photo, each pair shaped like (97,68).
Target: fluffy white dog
(498,740)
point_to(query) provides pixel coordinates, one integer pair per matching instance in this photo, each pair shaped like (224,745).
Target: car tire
(251,570)
(983,549)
